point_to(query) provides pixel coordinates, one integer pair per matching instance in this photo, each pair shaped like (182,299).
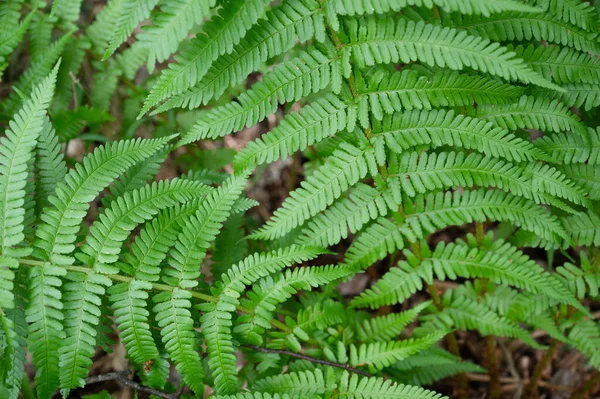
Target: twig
(310,359)
(121,377)
(492,366)
(531,390)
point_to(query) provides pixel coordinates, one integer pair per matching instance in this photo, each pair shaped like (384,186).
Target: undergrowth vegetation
(452,141)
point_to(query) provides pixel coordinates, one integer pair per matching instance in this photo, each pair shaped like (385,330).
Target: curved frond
(383,40)
(532,113)
(131,13)
(385,328)
(387,93)
(278,32)
(17,150)
(438,128)
(218,37)
(437,211)
(269,292)
(568,148)
(170,26)
(216,322)
(343,169)
(516,26)
(362,204)
(562,64)
(580,13)
(50,165)
(294,79)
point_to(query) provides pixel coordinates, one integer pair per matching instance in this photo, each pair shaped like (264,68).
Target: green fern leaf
(532,113)
(437,211)
(50,165)
(376,41)
(439,128)
(467,314)
(386,328)
(343,169)
(561,64)
(587,178)
(567,149)
(431,365)
(585,336)
(383,354)
(131,13)
(17,150)
(216,322)
(576,12)
(387,93)
(269,292)
(294,79)
(170,27)
(350,213)
(278,32)
(220,34)
(172,308)
(583,227)
(148,250)
(530,26)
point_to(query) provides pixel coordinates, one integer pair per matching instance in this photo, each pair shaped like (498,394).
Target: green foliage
(426,141)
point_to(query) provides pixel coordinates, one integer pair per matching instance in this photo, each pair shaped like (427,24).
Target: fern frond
(278,32)
(131,13)
(377,40)
(515,26)
(11,36)
(561,64)
(583,227)
(585,336)
(431,365)
(388,93)
(567,149)
(362,204)
(383,354)
(297,131)
(55,237)
(432,171)
(576,12)
(103,245)
(17,150)
(362,7)
(37,70)
(216,322)
(385,328)
(170,26)
(130,299)
(50,165)
(343,169)
(294,79)
(219,35)
(587,178)
(17,357)
(437,211)
(314,383)
(533,113)
(269,292)
(438,128)
(68,10)
(467,314)
(172,308)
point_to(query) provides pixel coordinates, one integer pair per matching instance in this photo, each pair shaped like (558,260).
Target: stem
(539,369)
(121,376)
(461,383)
(157,287)
(492,366)
(310,359)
